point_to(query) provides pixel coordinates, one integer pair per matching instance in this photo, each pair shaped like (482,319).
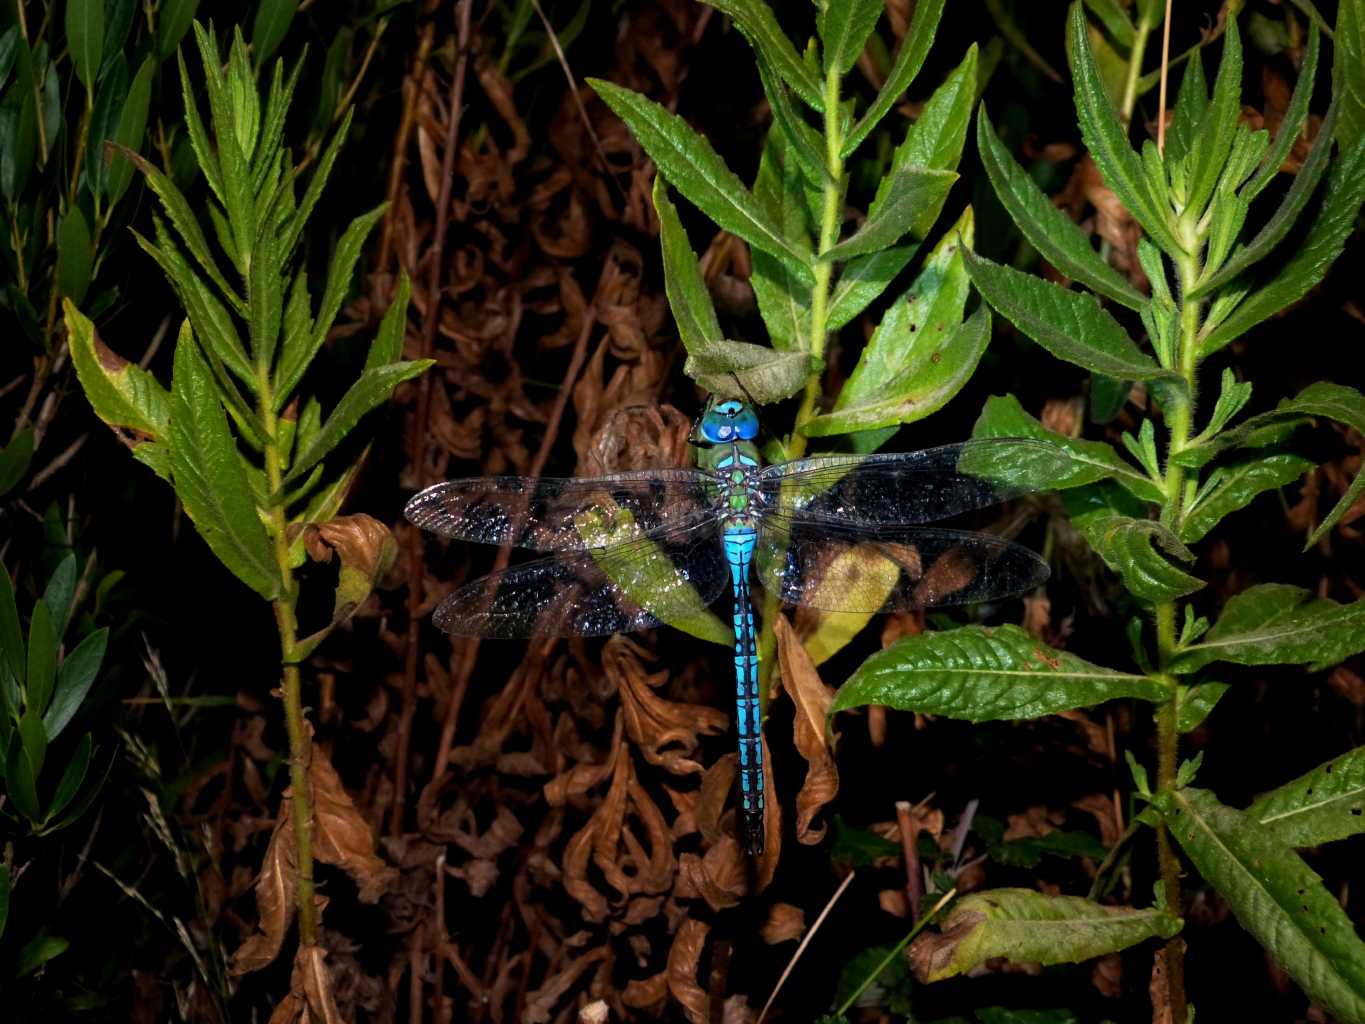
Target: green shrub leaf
(909,59)
(1326,804)
(688,297)
(898,211)
(1129,546)
(1218,127)
(757,23)
(74,680)
(844,26)
(1235,486)
(739,368)
(132,127)
(862,279)
(85,38)
(1274,895)
(123,395)
(982,675)
(1348,73)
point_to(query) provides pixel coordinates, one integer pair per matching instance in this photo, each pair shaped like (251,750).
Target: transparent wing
(848,569)
(629,586)
(544,514)
(914,487)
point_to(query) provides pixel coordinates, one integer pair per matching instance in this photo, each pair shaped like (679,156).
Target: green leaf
(936,137)
(914,48)
(1275,896)
(42,659)
(1218,126)
(1071,325)
(210,475)
(132,126)
(1196,702)
(687,160)
(862,279)
(59,592)
(37,952)
(921,354)
(739,368)
(74,679)
(109,100)
(982,675)
(1055,235)
(388,343)
(1277,624)
(783,298)
(15,458)
(1107,140)
(1090,461)
(756,22)
(1348,73)
(804,142)
(1322,806)
(900,210)
(1295,117)
(173,20)
(1024,926)
(85,38)
(1235,486)
(1115,21)
(18,126)
(688,297)
(371,389)
(272,22)
(265,301)
(844,26)
(74,255)
(72,777)
(1342,198)
(1129,547)
(13,660)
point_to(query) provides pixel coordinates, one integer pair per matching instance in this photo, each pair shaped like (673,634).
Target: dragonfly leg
(739,548)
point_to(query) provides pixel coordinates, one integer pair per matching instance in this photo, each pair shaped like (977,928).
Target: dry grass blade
(791,965)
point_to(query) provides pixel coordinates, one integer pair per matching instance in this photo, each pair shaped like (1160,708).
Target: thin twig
(412,89)
(804,943)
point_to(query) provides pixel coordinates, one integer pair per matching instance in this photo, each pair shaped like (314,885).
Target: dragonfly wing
(914,487)
(847,569)
(546,514)
(637,584)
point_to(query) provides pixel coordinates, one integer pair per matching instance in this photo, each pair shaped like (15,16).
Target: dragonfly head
(724,422)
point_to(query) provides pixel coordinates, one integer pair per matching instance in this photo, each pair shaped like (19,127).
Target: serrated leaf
(1024,926)
(1058,238)
(1107,140)
(1321,806)
(1342,199)
(756,22)
(123,395)
(1278,624)
(783,298)
(1090,461)
(900,211)
(1295,117)
(1070,325)
(981,675)
(1218,126)
(688,297)
(132,126)
(209,474)
(694,168)
(844,26)
(1129,547)
(909,59)
(1275,896)
(739,368)
(1196,702)
(370,390)
(85,38)
(74,679)
(75,258)
(1233,487)
(388,343)
(1348,71)
(862,280)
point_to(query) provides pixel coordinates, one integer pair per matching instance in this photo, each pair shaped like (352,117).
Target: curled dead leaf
(276,898)
(342,836)
(683,958)
(667,733)
(541,1003)
(785,923)
(812,700)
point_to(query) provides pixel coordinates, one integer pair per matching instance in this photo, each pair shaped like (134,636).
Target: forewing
(625,587)
(546,514)
(847,569)
(913,487)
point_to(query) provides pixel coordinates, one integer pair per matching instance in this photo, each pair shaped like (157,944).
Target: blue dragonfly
(837,533)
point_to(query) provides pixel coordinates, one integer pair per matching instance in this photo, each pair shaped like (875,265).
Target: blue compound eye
(728,421)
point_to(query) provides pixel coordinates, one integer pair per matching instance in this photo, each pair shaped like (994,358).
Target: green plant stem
(1130,85)
(1167,725)
(300,745)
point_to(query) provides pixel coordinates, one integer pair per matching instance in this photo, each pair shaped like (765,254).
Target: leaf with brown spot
(683,958)
(785,923)
(367,551)
(342,836)
(811,699)
(276,896)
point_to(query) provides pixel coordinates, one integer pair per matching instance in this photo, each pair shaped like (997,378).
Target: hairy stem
(300,746)
(1130,84)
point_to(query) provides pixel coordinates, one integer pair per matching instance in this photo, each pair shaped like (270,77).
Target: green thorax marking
(732,463)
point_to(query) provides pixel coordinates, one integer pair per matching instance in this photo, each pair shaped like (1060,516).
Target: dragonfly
(642,549)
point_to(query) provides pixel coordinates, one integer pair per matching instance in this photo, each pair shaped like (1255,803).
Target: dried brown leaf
(785,923)
(683,958)
(276,898)
(811,699)
(666,733)
(540,1003)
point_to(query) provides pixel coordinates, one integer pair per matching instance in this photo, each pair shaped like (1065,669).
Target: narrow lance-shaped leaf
(1346,71)
(740,368)
(901,211)
(863,279)
(1218,127)
(1055,235)
(1295,116)
(981,675)
(209,476)
(783,298)
(388,343)
(692,166)
(74,679)
(42,659)
(75,257)
(844,27)
(1139,550)
(1326,804)
(272,22)
(909,59)
(757,23)
(1028,927)
(1275,896)
(1070,325)
(688,297)
(132,127)
(1277,624)
(123,395)
(85,38)
(1233,487)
